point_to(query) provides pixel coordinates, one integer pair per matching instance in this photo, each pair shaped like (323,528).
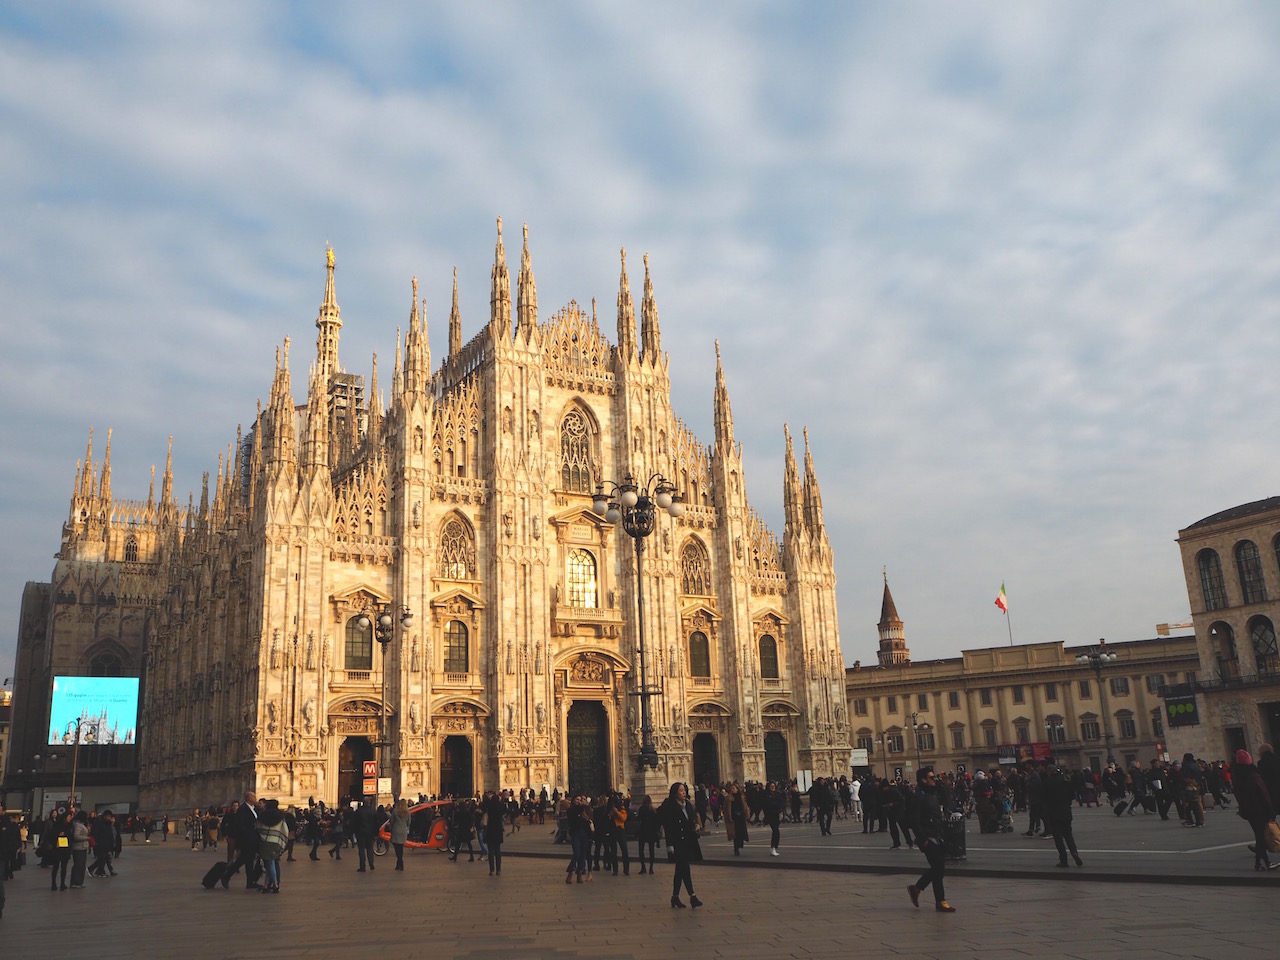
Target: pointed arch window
(457,648)
(575,454)
(106,665)
(457,552)
(1222,641)
(1249,566)
(359,653)
(582,579)
(1262,634)
(695,570)
(768,657)
(1211,584)
(699,654)
(131,550)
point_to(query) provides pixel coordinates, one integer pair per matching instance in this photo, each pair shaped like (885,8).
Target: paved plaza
(756,906)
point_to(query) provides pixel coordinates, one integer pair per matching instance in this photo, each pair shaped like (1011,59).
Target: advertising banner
(1182,711)
(107,706)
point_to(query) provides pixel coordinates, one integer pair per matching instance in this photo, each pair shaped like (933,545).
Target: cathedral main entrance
(587,740)
(706,759)
(456,767)
(351,757)
(776,765)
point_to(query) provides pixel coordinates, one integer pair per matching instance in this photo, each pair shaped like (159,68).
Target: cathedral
(424,589)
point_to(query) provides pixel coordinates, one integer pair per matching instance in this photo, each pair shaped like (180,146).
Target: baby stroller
(1006,815)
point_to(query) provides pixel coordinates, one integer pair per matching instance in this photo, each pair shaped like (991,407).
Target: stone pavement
(156,909)
(1139,848)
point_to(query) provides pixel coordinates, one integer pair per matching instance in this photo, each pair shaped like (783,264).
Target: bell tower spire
(893,645)
(328,323)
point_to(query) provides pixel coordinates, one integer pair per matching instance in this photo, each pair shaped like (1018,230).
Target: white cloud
(1014,267)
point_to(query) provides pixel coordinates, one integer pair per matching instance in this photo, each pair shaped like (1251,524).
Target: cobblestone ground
(156,908)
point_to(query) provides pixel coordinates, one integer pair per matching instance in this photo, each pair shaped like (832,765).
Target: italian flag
(1002,600)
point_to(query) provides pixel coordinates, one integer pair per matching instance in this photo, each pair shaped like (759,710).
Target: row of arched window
(1253,584)
(700,656)
(1262,638)
(359,646)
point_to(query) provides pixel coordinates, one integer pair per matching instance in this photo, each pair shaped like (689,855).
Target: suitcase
(215,875)
(1120,808)
(1149,804)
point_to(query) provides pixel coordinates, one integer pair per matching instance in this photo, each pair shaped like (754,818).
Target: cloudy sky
(1016,266)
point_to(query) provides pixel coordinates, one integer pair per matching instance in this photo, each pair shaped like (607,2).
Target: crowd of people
(256,834)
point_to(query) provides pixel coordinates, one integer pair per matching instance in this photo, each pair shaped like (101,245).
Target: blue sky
(1015,266)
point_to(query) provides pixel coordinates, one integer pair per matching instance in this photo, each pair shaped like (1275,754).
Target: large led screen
(106,705)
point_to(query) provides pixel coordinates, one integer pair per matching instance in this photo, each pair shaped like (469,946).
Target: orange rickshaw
(428,828)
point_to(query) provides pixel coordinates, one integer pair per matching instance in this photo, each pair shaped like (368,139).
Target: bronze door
(706,759)
(587,740)
(776,765)
(351,756)
(456,767)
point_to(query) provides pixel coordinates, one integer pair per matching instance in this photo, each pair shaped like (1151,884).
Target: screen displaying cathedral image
(105,707)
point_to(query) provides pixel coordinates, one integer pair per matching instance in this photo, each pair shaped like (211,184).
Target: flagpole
(1009,623)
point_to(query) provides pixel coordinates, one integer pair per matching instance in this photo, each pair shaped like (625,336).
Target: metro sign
(370,768)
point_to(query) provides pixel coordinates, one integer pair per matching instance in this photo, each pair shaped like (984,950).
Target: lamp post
(85,731)
(378,615)
(637,508)
(883,737)
(41,761)
(1097,658)
(916,727)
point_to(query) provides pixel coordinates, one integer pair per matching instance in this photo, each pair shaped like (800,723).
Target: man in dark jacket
(103,832)
(1268,765)
(244,827)
(365,823)
(1058,794)
(870,797)
(926,818)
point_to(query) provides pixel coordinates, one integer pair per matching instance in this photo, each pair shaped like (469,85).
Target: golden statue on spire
(329,256)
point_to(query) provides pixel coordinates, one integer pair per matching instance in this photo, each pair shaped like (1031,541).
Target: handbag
(63,843)
(1273,837)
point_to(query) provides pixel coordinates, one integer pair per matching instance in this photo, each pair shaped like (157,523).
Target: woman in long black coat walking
(680,824)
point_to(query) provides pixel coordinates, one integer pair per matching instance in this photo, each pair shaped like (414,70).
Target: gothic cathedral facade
(425,585)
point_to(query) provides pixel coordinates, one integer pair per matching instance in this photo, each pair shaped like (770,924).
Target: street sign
(384,786)
(897,773)
(960,768)
(858,757)
(370,768)
(371,786)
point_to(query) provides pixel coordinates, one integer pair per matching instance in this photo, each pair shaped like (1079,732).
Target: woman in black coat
(680,824)
(650,828)
(1253,803)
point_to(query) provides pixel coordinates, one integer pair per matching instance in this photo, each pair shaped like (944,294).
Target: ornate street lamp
(637,508)
(883,739)
(41,760)
(85,731)
(1097,658)
(916,727)
(378,615)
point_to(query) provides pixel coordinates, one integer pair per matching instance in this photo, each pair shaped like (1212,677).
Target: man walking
(927,820)
(244,826)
